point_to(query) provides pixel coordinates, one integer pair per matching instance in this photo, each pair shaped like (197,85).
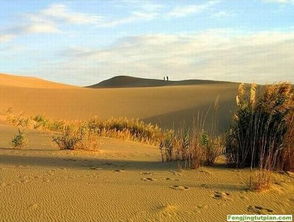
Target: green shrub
(19,140)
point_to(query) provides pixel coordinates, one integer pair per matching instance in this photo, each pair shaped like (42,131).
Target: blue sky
(84,42)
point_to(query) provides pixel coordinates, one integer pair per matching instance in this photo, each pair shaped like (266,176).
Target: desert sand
(124,180)
(168,106)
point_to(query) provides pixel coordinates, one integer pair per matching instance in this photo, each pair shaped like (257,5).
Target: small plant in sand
(212,147)
(19,140)
(68,139)
(77,137)
(260,180)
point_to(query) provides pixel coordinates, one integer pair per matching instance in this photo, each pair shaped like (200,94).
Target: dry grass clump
(191,149)
(76,137)
(260,181)
(39,122)
(123,128)
(130,129)
(262,132)
(19,140)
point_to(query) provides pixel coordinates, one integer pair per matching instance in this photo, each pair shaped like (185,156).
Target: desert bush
(260,180)
(166,146)
(69,138)
(77,137)
(19,140)
(212,147)
(262,131)
(190,148)
(124,128)
(18,119)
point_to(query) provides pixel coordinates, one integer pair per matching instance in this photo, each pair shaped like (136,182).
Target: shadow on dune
(82,163)
(187,118)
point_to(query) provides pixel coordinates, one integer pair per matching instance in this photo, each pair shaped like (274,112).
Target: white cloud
(40,28)
(183,11)
(6,37)
(216,54)
(61,12)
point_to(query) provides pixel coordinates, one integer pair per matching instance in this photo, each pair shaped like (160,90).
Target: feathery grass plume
(253,95)
(19,140)
(240,95)
(257,137)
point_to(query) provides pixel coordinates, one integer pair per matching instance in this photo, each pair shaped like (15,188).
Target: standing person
(166,78)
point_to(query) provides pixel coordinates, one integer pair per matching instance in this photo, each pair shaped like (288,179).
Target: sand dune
(169,106)
(129,81)
(28,82)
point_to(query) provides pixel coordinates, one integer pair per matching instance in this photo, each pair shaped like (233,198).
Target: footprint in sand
(45,180)
(205,171)
(179,187)
(244,197)
(171,179)
(221,196)
(148,179)
(119,170)
(199,208)
(176,173)
(258,210)
(95,168)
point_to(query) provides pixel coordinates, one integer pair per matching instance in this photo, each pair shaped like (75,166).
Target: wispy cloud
(6,37)
(239,56)
(183,11)
(60,12)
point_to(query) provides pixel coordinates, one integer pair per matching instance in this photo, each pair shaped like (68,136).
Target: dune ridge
(29,82)
(129,81)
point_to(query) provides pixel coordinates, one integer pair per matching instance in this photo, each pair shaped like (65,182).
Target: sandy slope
(169,106)
(123,182)
(28,82)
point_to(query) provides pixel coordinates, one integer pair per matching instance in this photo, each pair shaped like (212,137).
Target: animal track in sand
(179,187)
(176,173)
(95,168)
(259,210)
(148,179)
(172,179)
(221,196)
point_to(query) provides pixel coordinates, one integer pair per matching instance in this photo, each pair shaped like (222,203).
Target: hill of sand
(129,81)
(169,106)
(124,182)
(28,82)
